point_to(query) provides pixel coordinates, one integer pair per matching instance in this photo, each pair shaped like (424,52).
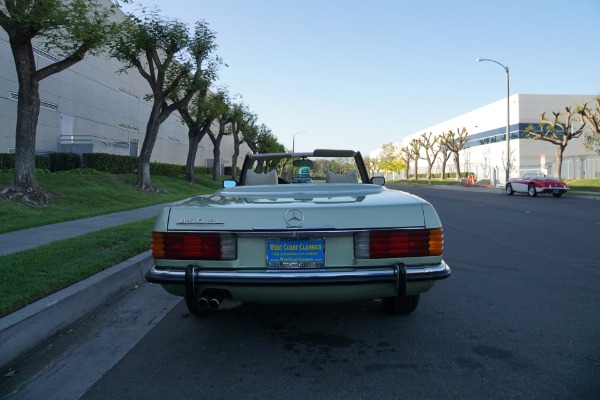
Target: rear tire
(401,304)
(531,191)
(509,189)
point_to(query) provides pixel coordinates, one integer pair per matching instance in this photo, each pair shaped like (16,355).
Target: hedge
(7,161)
(109,163)
(64,161)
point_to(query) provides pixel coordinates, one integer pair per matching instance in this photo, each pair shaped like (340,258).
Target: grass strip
(81,196)
(30,275)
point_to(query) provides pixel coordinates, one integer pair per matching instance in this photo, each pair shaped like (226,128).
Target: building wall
(90,107)
(485,153)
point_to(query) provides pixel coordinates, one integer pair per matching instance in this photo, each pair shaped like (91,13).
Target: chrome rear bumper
(300,277)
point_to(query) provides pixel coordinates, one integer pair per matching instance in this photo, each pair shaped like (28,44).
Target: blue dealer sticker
(295,254)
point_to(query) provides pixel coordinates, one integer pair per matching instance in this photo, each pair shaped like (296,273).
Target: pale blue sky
(359,74)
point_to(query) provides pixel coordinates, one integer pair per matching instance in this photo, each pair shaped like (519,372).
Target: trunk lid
(306,206)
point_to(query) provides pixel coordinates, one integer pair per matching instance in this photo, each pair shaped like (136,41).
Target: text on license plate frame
(295,253)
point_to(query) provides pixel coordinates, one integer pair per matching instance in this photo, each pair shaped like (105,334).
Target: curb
(26,329)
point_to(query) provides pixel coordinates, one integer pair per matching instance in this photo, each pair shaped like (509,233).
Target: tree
(242,125)
(432,148)
(407,155)
(224,112)
(372,165)
(162,51)
(266,142)
(390,158)
(556,132)
(592,118)
(415,149)
(198,115)
(260,139)
(445,153)
(455,142)
(71,29)
(200,112)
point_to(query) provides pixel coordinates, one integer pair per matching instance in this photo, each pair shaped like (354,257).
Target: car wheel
(509,189)
(531,191)
(401,304)
(557,194)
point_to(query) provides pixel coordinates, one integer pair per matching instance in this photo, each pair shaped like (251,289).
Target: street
(518,318)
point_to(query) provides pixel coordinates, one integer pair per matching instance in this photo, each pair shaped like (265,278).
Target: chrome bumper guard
(394,273)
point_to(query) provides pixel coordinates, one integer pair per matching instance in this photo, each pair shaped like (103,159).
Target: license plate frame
(291,254)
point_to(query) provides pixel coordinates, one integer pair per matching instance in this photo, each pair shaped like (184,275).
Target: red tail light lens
(193,246)
(399,243)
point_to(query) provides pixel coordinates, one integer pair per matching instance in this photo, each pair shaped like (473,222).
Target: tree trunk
(443,176)
(194,137)
(144,182)
(234,157)
(159,113)
(216,171)
(28,111)
(559,158)
(457,165)
(416,169)
(429,167)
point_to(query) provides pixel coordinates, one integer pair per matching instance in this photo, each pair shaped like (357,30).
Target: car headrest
(350,177)
(252,178)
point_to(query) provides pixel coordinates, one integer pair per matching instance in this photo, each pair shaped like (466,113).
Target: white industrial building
(485,152)
(91,108)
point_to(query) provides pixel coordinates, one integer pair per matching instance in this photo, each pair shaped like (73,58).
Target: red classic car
(533,184)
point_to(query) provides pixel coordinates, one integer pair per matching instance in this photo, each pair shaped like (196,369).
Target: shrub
(64,161)
(163,169)
(42,162)
(7,161)
(110,163)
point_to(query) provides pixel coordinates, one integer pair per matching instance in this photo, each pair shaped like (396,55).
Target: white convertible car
(342,237)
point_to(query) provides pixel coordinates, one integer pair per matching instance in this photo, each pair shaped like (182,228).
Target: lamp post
(294,141)
(507,115)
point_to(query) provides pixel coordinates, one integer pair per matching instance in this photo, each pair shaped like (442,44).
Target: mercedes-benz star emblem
(294,218)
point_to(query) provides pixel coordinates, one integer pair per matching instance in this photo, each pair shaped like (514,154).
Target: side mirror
(378,180)
(229,183)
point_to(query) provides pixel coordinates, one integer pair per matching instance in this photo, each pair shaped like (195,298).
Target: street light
(507,115)
(294,141)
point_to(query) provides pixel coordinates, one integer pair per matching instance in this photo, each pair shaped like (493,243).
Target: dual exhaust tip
(211,300)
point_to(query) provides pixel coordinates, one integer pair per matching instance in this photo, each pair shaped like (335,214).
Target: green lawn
(33,274)
(575,185)
(584,185)
(80,196)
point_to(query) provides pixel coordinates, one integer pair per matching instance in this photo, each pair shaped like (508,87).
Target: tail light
(399,243)
(194,246)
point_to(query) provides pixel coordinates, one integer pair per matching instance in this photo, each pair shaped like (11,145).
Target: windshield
(319,166)
(318,171)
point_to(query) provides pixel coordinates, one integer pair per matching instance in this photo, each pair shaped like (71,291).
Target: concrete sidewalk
(26,239)
(28,328)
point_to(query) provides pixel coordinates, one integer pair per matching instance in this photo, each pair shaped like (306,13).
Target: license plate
(295,254)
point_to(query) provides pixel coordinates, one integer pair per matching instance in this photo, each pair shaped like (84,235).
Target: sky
(356,75)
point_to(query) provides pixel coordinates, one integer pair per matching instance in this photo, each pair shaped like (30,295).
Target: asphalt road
(519,318)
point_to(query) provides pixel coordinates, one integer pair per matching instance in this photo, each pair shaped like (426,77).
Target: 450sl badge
(199,221)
